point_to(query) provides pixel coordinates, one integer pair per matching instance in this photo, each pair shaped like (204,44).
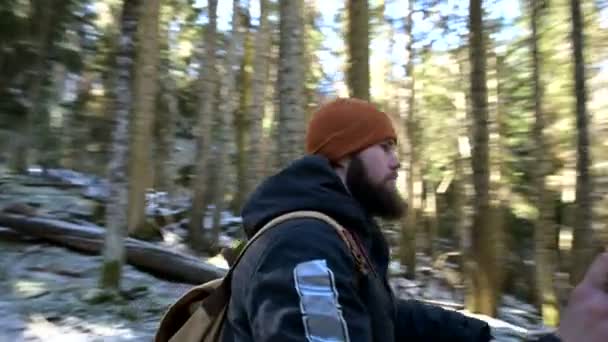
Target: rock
(27,289)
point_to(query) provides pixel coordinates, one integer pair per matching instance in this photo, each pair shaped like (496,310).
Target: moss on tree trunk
(110,274)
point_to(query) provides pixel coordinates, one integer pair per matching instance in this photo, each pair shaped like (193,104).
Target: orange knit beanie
(345,126)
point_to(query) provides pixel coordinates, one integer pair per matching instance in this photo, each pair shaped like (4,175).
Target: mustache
(391,176)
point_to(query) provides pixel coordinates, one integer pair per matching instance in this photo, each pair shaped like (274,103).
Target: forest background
(156,119)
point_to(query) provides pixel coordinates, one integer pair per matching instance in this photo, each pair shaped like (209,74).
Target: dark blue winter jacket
(299,282)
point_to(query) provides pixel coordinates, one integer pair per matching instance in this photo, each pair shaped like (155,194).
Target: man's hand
(586,317)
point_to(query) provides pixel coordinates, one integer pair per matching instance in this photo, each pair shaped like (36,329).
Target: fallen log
(8,234)
(90,239)
(52,184)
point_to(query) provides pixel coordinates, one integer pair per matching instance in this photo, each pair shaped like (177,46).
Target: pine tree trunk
(582,241)
(18,162)
(544,230)
(72,132)
(431,215)
(291,123)
(37,115)
(116,208)
(497,188)
(208,86)
(242,120)
(146,84)
(408,226)
(483,242)
(165,126)
(310,83)
(358,49)
(463,183)
(165,122)
(255,157)
(227,108)
(41,21)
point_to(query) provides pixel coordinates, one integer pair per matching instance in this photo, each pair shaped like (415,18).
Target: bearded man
(300,281)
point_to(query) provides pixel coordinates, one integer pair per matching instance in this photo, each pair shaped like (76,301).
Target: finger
(597,274)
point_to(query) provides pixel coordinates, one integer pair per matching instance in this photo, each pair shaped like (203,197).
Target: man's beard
(378,199)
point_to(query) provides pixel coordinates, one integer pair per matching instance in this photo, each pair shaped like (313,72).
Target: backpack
(199,315)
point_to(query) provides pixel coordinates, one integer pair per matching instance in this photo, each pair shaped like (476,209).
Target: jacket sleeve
(417,321)
(303,289)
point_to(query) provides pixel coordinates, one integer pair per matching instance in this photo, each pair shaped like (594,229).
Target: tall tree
(227,108)
(463,178)
(164,123)
(291,121)
(544,236)
(208,84)
(358,49)
(582,240)
(497,155)
(242,120)
(483,243)
(116,208)
(408,226)
(165,128)
(41,21)
(71,129)
(256,110)
(146,85)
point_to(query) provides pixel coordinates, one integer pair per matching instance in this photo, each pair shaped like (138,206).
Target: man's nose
(395,163)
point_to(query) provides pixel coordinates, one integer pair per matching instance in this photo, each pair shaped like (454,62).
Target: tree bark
(483,244)
(147,256)
(463,181)
(165,121)
(145,90)
(432,223)
(166,118)
(544,230)
(408,226)
(72,133)
(116,207)
(227,108)
(583,247)
(41,21)
(291,123)
(256,157)
(208,85)
(242,120)
(498,191)
(358,49)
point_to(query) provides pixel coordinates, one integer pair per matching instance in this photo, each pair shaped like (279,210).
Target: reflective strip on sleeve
(321,311)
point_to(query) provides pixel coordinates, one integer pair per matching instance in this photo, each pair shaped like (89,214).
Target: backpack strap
(215,301)
(352,243)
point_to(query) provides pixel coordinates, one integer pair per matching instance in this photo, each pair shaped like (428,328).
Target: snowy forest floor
(48,293)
